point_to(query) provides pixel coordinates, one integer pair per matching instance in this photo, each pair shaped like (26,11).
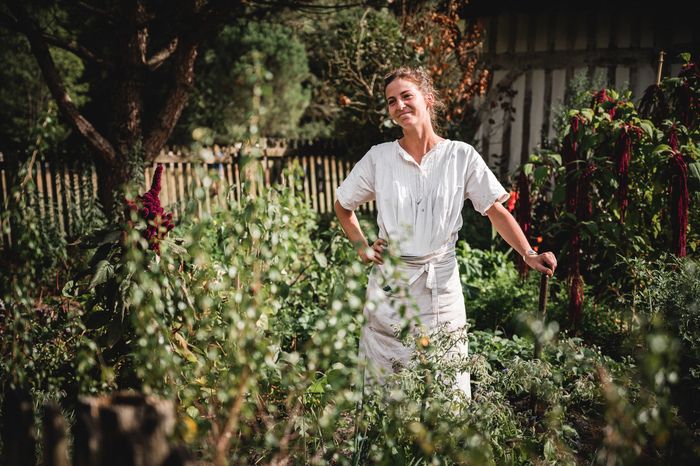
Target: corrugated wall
(538,54)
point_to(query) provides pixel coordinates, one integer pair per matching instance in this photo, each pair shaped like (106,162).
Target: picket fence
(218,174)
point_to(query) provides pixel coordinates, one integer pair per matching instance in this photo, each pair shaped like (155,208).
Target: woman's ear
(429,99)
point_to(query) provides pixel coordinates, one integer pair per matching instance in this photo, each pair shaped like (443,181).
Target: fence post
(18,434)
(125,429)
(55,436)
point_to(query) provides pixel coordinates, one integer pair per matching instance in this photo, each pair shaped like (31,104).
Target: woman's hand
(545,262)
(373,253)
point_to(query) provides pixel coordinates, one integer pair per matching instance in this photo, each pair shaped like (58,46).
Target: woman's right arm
(351,226)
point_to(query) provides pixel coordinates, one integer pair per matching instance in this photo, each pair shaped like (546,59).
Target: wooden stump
(125,429)
(18,433)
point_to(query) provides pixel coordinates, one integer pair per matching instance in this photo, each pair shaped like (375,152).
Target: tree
(139,58)
(222,100)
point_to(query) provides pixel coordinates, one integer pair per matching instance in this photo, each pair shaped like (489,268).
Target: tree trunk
(113,180)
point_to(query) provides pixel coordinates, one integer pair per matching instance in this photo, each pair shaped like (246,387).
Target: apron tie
(431,284)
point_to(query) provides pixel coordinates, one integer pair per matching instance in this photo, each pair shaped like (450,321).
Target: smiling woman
(420,183)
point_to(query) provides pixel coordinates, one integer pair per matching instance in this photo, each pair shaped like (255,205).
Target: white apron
(434,297)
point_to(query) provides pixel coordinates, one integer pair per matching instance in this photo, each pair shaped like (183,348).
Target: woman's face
(408,106)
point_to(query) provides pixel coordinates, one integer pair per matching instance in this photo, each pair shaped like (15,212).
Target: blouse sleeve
(358,187)
(481,185)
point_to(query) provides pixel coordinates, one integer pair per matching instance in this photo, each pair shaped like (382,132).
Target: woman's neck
(417,141)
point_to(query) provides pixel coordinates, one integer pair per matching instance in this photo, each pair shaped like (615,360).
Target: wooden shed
(535,48)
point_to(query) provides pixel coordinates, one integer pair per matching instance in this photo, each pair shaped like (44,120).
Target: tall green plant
(614,185)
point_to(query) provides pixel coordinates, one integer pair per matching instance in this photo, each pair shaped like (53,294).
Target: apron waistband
(426,265)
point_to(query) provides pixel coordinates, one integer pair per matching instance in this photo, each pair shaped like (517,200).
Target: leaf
(100,238)
(103,272)
(541,173)
(318,386)
(527,169)
(114,333)
(556,158)
(321,259)
(588,113)
(660,149)
(101,253)
(694,170)
(647,127)
(67,288)
(183,348)
(192,412)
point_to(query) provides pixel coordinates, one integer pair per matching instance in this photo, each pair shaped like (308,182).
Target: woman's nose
(400,105)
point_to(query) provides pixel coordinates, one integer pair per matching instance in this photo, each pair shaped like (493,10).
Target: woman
(420,183)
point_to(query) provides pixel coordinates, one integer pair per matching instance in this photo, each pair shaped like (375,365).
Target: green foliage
(349,54)
(607,237)
(27,111)
(493,293)
(222,102)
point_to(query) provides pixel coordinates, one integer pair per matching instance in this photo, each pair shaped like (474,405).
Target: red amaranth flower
(608,103)
(510,205)
(679,196)
(149,208)
(654,104)
(623,157)
(572,162)
(575,299)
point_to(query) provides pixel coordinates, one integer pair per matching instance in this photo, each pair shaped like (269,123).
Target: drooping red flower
(584,203)
(510,205)
(149,208)
(572,161)
(654,104)
(607,102)
(623,157)
(679,196)
(575,299)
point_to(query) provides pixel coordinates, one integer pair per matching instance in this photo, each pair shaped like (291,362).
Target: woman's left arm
(508,228)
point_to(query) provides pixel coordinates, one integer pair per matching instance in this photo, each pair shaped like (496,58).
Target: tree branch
(161,56)
(55,84)
(76,49)
(177,97)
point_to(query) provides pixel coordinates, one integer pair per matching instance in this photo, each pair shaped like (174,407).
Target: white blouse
(419,207)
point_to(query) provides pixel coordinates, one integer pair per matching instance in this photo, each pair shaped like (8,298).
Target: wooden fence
(65,193)
(535,51)
(118,429)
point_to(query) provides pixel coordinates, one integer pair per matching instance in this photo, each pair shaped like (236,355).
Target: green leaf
(648,127)
(660,149)
(541,173)
(321,259)
(694,169)
(100,238)
(588,113)
(527,169)
(192,412)
(67,288)
(556,158)
(103,272)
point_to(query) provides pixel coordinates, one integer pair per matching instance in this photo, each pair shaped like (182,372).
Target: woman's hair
(420,78)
